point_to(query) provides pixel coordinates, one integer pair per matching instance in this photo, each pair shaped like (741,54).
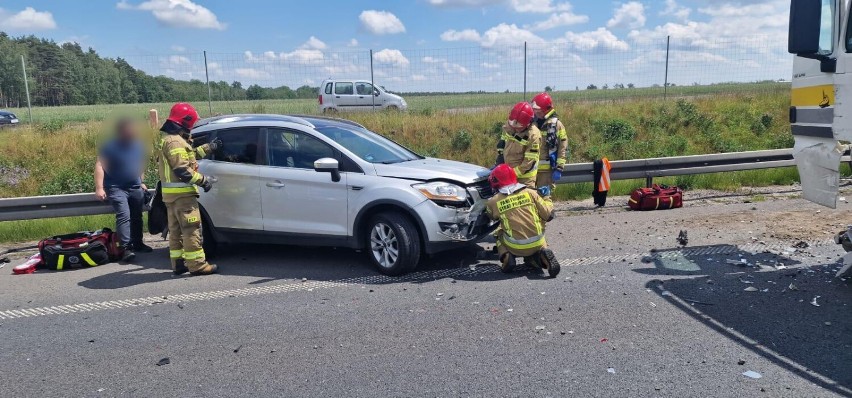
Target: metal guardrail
(682,165)
(85,203)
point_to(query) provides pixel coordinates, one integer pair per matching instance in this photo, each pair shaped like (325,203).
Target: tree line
(65,74)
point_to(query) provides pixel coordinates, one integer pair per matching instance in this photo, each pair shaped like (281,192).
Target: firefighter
(554,144)
(522,213)
(179,179)
(519,144)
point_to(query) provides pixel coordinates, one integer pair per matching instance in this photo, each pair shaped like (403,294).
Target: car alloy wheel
(384,244)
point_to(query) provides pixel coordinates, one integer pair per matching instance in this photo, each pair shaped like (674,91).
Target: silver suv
(316,181)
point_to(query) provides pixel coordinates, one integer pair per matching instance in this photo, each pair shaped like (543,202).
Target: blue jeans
(127,204)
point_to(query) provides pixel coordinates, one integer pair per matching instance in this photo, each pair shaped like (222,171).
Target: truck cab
(820,37)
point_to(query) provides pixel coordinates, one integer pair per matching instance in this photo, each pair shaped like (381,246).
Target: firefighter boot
(507,263)
(549,262)
(179,267)
(206,269)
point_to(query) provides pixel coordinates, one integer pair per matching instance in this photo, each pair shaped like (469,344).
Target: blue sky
(446,45)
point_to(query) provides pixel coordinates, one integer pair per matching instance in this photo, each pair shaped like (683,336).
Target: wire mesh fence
(429,79)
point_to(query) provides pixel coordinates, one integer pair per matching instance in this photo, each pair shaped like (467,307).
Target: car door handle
(276,184)
(337,96)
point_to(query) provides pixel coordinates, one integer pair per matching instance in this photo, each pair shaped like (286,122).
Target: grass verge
(33,230)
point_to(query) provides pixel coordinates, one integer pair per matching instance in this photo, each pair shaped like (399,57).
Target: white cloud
(488,65)
(508,35)
(462,35)
(314,43)
(178,60)
(629,15)
(303,56)
(251,73)
(418,78)
(560,19)
(675,10)
(464,3)
(391,57)
(433,60)
(177,13)
(538,6)
(381,22)
(178,49)
(502,35)
(594,41)
(454,69)
(27,20)
(353,43)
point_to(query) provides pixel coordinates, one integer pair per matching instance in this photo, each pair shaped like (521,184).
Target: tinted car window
(296,150)
(343,88)
(238,145)
(328,88)
(364,88)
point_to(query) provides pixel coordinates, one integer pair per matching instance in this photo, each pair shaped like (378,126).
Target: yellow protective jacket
(522,215)
(178,166)
(551,126)
(522,152)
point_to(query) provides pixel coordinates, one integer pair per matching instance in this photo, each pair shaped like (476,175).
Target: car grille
(484,189)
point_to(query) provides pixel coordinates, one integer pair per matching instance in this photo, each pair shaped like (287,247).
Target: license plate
(14,121)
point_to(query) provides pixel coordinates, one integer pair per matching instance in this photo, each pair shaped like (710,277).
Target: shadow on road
(777,320)
(271,263)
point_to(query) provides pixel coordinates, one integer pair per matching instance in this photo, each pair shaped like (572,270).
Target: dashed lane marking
(372,280)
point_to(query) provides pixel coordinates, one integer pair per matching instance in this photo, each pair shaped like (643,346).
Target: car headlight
(442,192)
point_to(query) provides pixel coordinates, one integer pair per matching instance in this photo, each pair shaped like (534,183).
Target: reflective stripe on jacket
(178,166)
(522,151)
(522,215)
(551,124)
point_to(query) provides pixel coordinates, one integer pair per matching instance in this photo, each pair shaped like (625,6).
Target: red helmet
(502,176)
(522,115)
(183,114)
(543,102)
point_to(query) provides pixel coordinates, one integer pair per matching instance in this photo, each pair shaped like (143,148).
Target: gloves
(206,184)
(552,158)
(557,175)
(544,191)
(215,144)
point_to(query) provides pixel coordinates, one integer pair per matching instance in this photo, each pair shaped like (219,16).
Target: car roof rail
(334,119)
(253,117)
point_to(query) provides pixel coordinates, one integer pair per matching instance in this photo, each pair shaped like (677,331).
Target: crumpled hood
(433,169)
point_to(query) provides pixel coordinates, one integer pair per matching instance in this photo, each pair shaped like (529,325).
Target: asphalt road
(631,315)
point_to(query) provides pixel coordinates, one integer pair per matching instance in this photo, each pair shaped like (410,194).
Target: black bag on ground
(77,250)
(158,219)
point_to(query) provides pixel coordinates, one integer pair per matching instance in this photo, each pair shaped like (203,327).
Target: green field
(56,156)
(418,103)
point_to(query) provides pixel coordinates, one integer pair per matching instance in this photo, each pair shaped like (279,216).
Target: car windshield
(368,145)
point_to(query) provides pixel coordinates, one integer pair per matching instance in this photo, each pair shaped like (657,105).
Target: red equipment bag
(656,198)
(82,249)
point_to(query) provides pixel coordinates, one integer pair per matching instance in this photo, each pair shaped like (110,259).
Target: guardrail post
(649,181)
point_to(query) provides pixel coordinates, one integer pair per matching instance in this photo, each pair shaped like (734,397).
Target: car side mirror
(328,165)
(805,22)
(376,92)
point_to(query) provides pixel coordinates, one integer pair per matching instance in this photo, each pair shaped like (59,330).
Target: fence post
(27,88)
(207,77)
(525,71)
(666,81)
(372,82)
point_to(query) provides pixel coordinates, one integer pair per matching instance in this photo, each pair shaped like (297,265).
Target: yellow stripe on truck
(822,96)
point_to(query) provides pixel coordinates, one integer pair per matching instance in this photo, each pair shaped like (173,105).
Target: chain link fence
(435,79)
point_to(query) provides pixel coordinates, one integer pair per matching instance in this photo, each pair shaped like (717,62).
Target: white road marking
(373,280)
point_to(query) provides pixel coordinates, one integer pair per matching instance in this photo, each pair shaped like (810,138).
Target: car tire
(392,108)
(393,243)
(208,241)
(330,111)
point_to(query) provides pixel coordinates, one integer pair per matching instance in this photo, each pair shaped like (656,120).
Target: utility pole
(372,82)
(207,76)
(666,81)
(27,88)
(525,71)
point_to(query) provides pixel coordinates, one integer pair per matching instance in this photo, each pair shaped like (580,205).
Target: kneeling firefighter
(179,179)
(522,214)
